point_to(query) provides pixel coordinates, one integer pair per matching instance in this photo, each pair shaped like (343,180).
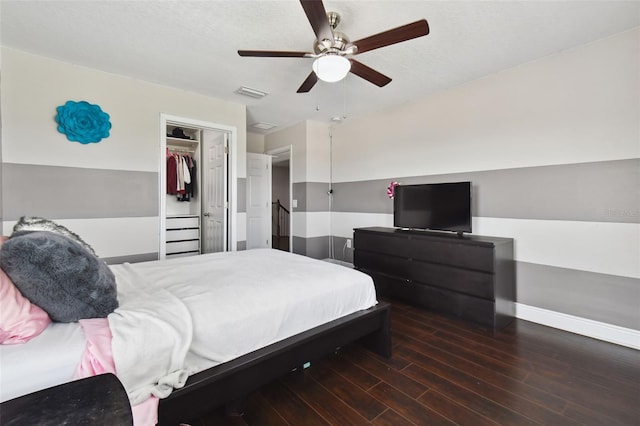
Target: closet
(183,187)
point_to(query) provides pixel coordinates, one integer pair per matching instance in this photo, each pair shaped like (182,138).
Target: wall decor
(392,188)
(83,122)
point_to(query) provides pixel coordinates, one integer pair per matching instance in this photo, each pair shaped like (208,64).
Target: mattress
(181,316)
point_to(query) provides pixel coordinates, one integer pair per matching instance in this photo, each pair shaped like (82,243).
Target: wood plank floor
(444,372)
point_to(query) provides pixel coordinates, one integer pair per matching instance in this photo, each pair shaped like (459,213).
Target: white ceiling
(192,45)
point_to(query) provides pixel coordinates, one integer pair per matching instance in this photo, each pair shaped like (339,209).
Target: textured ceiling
(192,45)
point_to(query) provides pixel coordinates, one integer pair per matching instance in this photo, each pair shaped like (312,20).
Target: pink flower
(391,188)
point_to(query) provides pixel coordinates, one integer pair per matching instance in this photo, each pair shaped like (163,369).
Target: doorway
(214,206)
(282,198)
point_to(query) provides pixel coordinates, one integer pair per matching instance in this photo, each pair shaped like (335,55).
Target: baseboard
(586,327)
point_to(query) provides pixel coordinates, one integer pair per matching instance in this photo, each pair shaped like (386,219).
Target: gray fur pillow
(59,275)
(35,223)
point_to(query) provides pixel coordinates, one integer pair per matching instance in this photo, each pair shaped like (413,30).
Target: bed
(207,330)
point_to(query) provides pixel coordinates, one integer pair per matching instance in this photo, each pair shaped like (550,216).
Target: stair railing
(280,217)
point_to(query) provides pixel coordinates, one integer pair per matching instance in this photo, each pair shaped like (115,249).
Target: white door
(214,191)
(258,201)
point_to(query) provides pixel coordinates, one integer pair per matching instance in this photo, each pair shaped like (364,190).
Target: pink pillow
(20,320)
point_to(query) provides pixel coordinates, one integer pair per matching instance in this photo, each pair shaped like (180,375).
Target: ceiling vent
(263,126)
(252,93)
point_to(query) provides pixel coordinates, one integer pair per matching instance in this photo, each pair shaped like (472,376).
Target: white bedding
(180,316)
(48,360)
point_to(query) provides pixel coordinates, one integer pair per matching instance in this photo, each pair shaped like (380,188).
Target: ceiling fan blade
(273,54)
(308,84)
(317,15)
(393,36)
(369,74)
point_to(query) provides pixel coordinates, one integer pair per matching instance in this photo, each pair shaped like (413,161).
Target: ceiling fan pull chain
(344,102)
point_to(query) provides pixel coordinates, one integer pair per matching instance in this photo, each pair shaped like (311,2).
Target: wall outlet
(294,204)
(348,242)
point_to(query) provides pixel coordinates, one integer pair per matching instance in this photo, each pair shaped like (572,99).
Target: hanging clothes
(194,174)
(181,176)
(172,175)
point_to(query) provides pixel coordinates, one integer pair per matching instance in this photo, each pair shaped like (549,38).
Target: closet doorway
(205,220)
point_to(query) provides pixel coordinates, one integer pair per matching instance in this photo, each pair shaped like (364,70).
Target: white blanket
(152,332)
(180,316)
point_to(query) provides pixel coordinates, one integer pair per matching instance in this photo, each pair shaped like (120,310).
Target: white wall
(255,143)
(579,105)
(296,136)
(32,88)
(317,138)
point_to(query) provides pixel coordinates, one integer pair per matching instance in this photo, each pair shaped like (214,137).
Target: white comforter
(180,316)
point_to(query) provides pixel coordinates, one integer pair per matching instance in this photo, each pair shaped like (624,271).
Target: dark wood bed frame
(103,400)
(234,380)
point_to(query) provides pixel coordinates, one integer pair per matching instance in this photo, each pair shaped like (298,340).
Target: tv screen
(438,206)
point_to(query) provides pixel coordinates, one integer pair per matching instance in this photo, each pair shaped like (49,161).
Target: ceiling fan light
(331,68)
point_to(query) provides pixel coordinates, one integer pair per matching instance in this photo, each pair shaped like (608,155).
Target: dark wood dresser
(471,277)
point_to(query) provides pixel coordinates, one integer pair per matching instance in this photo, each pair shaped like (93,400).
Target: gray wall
(312,197)
(597,192)
(77,193)
(593,192)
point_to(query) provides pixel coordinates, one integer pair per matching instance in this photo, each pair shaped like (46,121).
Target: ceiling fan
(333,51)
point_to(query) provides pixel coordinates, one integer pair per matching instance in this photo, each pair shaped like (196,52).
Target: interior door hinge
(226,149)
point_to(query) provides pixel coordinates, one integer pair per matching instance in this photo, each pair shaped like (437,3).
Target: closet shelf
(182,143)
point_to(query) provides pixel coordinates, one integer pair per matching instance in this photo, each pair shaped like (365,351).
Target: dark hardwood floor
(444,372)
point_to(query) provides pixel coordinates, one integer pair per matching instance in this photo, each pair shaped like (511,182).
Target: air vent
(252,93)
(263,126)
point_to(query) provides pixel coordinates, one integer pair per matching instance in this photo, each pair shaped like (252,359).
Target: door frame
(275,152)
(232,131)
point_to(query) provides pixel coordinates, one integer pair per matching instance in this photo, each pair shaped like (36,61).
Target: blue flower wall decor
(83,122)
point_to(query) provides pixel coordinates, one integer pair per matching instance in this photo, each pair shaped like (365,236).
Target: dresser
(183,236)
(471,277)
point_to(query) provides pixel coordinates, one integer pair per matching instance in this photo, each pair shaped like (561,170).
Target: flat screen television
(437,206)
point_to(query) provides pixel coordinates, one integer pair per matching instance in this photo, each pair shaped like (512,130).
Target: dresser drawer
(183,222)
(185,254)
(391,265)
(445,251)
(182,234)
(182,246)
(477,257)
(474,283)
(470,308)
